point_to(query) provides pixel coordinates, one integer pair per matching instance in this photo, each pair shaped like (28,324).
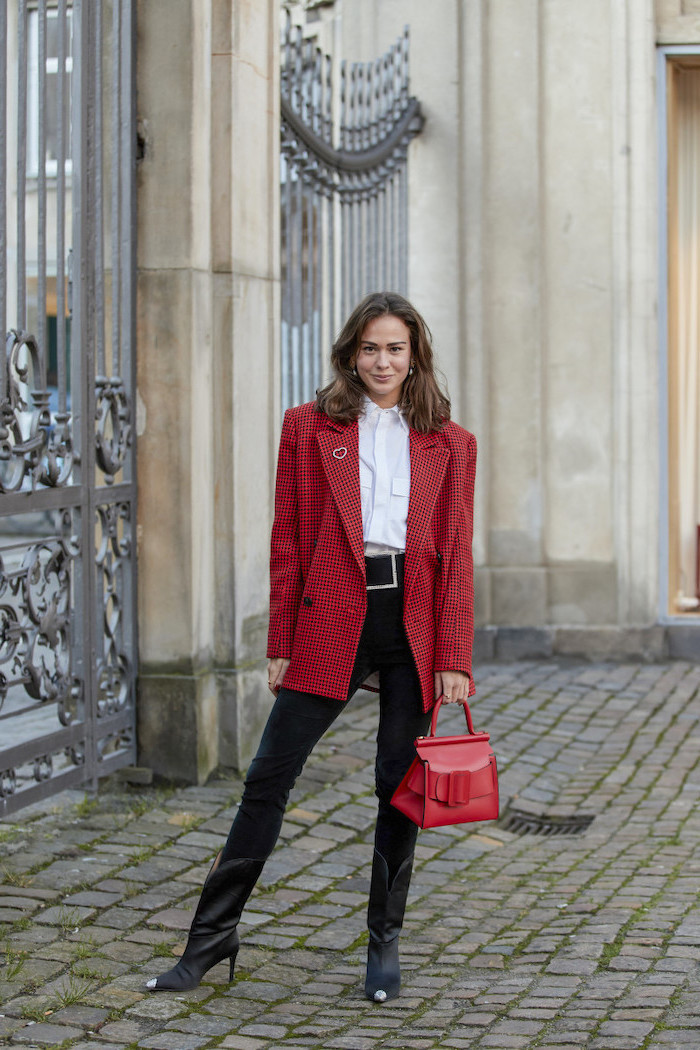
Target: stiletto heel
(213,934)
(232,965)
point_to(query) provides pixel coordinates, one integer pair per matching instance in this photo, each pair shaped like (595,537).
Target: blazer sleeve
(286,583)
(455,619)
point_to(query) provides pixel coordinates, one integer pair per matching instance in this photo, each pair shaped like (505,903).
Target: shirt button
(308,601)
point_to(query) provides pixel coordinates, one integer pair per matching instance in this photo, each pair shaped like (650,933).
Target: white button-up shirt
(385,477)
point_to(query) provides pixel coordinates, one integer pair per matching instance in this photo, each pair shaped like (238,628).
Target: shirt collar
(371,409)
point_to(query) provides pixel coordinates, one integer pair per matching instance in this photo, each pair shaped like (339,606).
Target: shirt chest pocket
(366,494)
(400,492)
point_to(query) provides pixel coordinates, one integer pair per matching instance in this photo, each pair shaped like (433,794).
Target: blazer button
(308,601)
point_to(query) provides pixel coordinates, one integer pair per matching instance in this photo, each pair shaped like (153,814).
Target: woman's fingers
(453,686)
(276,670)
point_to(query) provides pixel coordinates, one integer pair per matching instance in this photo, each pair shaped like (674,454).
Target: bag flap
(457,753)
(462,738)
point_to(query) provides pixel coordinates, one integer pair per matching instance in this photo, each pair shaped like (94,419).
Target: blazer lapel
(340,457)
(429,459)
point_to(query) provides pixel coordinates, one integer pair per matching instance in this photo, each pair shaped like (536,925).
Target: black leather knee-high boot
(387,904)
(213,934)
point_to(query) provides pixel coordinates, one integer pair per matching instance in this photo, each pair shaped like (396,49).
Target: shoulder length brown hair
(422,402)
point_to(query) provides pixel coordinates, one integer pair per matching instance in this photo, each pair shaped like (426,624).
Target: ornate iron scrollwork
(8,782)
(10,635)
(113,430)
(76,755)
(67,617)
(43,767)
(34,445)
(60,454)
(68,705)
(35,619)
(114,671)
(113,743)
(344,194)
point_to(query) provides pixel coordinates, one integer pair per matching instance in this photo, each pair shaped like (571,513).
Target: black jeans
(298,721)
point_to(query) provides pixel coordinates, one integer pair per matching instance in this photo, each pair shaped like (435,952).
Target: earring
(354,371)
(410,371)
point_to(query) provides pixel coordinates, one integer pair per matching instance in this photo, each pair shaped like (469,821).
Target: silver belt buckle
(394,576)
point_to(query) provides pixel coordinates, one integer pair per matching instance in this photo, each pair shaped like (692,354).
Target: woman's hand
(452,686)
(276,670)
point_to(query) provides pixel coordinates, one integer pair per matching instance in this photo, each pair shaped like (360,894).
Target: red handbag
(452,779)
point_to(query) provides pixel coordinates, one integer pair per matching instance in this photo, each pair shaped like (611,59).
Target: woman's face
(384,358)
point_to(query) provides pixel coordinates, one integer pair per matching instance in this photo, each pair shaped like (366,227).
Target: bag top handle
(467,713)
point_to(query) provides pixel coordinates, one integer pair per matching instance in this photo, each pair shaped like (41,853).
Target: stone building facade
(537,252)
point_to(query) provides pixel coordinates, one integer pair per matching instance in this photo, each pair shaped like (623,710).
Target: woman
(371,571)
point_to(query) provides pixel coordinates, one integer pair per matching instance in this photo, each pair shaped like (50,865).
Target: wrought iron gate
(345,207)
(67,486)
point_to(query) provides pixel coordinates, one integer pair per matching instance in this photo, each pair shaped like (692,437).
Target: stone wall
(677,21)
(208,354)
(534,257)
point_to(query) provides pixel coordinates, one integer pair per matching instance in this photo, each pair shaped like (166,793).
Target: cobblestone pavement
(512,940)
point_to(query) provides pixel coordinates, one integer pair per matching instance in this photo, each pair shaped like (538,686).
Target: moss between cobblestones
(88,805)
(566,928)
(666,1025)
(612,949)
(10,833)
(20,925)
(36,1012)
(14,878)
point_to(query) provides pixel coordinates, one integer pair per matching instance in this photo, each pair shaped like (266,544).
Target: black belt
(384,571)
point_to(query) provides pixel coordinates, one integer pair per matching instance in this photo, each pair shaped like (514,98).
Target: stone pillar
(533,256)
(559,235)
(208,288)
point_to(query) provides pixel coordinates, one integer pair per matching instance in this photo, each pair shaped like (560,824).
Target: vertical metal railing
(99,195)
(21,193)
(67,505)
(3,192)
(62,32)
(345,206)
(41,324)
(116,198)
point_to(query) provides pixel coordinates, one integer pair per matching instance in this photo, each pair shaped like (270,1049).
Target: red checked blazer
(318,598)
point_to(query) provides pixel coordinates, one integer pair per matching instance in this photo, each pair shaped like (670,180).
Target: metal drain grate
(527,822)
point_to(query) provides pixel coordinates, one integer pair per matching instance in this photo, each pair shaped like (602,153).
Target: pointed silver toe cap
(379,996)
